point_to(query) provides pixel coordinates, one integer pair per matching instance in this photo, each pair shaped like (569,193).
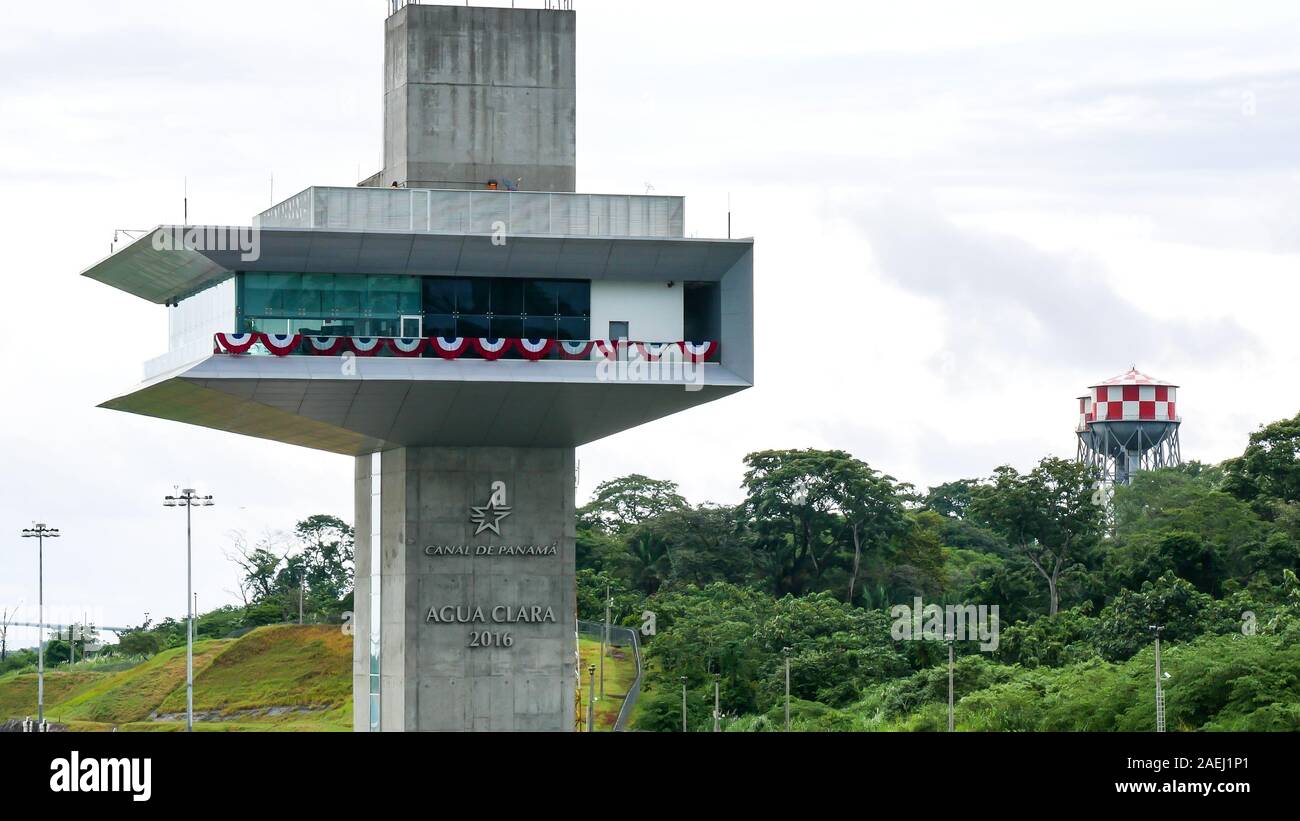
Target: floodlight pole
(683,704)
(189,499)
(40,532)
(1160,688)
(591,698)
(786,652)
(950,722)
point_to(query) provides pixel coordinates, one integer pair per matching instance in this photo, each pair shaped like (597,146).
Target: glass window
(472,326)
(349,290)
(575,328)
(310,299)
(473,296)
(574,298)
(507,296)
(539,327)
(440,295)
(440,325)
(383,295)
(539,298)
(511,327)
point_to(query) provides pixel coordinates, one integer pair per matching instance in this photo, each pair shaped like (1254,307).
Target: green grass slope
(281,677)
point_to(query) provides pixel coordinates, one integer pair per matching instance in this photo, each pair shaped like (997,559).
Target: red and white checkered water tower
(1129,423)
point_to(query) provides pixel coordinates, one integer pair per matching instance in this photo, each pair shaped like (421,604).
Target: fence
(619,637)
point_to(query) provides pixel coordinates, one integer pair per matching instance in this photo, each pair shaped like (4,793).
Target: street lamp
(785,651)
(683,704)
(949,638)
(717,716)
(189,498)
(40,533)
(591,699)
(1160,685)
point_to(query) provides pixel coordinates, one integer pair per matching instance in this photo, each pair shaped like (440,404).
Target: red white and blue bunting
(699,351)
(449,347)
(327,345)
(455,347)
(576,350)
(234,343)
(367,345)
(281,344)
(406,347)
(535,349)
(492,349)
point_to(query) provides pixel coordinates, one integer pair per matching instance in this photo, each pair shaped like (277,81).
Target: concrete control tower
(458,323)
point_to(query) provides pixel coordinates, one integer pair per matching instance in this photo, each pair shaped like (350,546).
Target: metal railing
(445,211)
(619,636)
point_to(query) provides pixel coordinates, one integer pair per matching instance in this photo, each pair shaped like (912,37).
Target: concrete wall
(652,309)
(472,94)
(432,678)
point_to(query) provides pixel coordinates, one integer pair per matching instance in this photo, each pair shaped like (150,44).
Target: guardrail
(620,636)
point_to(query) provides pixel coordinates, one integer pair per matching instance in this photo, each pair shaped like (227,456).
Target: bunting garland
(366,345)
(576,350)
(535,349)
(280,344)
(406,347)
(234,343)
(491,349)
(449,347)
(699,351)
(327,345)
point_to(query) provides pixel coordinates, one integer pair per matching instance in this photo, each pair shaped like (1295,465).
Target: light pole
(1160,688)
(717,716)
(591,699)
(188,499)
(683,704)
(604,641)
(302,581)
(949,638)
(785,651)
(40,533)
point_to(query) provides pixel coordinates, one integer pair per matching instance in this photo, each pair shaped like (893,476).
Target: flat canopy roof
(150,269)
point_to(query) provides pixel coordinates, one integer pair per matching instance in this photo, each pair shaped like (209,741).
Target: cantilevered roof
(392,402)
(151,270)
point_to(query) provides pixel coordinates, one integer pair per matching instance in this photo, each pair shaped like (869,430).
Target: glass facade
(377,305)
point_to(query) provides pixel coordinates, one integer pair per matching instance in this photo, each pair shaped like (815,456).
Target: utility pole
(40,532)
(189,499)
(302,581)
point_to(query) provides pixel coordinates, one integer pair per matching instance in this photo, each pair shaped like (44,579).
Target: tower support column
(471,553)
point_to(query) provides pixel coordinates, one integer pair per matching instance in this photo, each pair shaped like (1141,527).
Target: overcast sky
(965,215)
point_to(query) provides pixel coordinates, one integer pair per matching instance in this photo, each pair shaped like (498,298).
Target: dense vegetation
(808,567)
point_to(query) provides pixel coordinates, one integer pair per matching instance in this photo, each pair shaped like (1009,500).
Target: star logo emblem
(488,517)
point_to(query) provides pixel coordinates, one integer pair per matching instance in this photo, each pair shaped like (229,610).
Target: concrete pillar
(476,628)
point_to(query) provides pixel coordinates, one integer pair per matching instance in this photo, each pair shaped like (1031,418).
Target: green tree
(1270,467)
(629,500)
(1047,514)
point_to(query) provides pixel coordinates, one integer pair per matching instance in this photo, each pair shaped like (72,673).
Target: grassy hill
(281,677)
(277,678)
